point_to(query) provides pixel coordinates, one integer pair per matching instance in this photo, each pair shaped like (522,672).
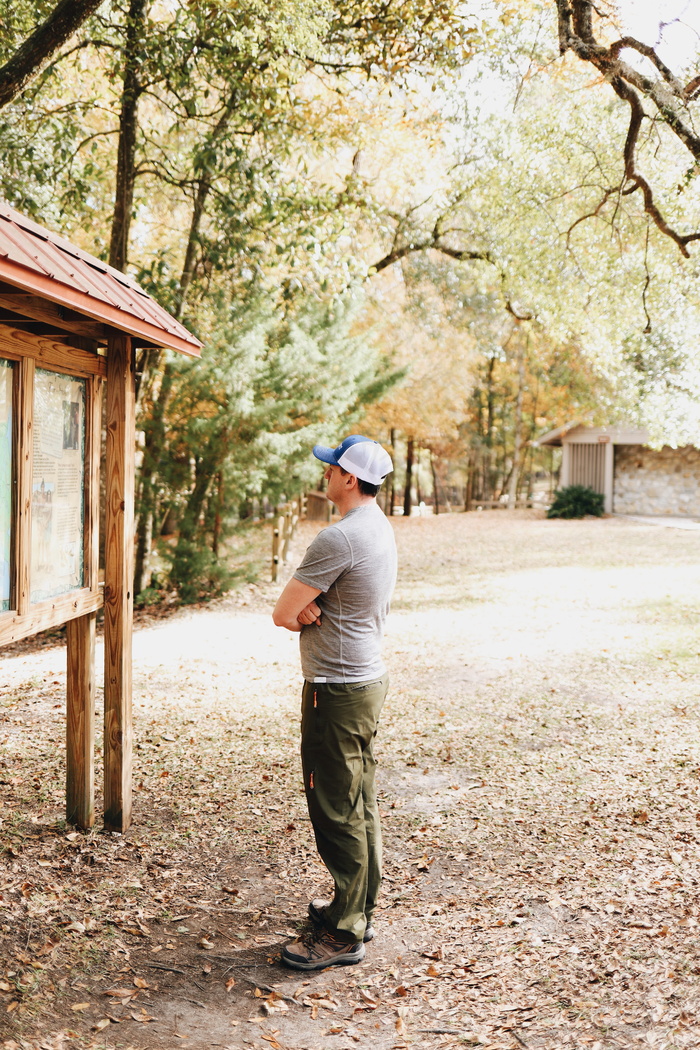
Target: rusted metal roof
(553,437)
(38,261)
(584,434)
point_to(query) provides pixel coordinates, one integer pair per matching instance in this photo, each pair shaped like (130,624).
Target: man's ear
(350,481)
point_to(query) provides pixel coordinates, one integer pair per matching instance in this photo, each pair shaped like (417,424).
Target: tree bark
(390,491)
(128,124)
(469,487)
(409,479)
(154,442)
(436,499)
(44,42)
(488,436)
(218,513)
(517,430)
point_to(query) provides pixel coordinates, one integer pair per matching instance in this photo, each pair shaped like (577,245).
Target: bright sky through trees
(672,26)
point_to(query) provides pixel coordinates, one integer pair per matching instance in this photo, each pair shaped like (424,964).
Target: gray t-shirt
(353,563)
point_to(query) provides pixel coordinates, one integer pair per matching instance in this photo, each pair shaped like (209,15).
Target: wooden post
(275,552)
(119,576)
(609,477)
(288,530)
(23,505)
(565,465)
(80,721)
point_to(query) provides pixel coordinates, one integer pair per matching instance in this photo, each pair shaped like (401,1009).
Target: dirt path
(539,782)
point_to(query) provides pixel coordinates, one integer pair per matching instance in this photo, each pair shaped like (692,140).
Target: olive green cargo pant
(338,727)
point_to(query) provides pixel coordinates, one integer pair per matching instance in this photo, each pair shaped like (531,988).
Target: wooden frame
(77,608)
(26,618)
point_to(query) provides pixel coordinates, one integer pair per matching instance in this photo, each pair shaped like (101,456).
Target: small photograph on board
(71,424)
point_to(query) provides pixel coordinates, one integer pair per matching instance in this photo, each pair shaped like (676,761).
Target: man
(338,600)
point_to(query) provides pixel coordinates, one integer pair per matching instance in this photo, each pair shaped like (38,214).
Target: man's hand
(296,601)
(310,614)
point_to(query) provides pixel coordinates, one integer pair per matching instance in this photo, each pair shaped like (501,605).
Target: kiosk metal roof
(37,261)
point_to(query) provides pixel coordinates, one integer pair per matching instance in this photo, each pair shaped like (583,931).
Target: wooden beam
(62,317)
(119,576)
(50,613)
(80,721)
(50,352)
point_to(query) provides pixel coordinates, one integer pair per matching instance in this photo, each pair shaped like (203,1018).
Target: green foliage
(242,421)
(148,596)
(196,572)
(576,501)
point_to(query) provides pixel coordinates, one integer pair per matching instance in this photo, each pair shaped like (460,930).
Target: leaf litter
(539,778)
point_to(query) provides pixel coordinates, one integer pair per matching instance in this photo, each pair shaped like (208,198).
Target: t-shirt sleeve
(328,557)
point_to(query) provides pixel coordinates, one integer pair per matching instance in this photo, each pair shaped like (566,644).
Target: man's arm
(296,606)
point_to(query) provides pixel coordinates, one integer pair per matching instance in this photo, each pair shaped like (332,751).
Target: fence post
(288,515)
(277,534)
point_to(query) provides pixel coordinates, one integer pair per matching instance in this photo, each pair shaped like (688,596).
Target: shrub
(575,501)
(197,573)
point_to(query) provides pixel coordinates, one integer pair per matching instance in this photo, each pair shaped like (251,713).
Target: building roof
(40,262)
(581,433)
(553,437)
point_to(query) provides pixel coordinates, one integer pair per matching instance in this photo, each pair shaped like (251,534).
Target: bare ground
(539,782)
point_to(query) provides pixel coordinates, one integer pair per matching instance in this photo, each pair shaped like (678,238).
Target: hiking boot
(317,914)
(320,949)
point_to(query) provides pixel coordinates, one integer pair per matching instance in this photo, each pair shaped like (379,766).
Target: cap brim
(326,455)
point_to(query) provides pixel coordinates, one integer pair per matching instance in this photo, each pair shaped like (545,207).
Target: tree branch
(625,92)
(575,23)
(435,243)
(46,39)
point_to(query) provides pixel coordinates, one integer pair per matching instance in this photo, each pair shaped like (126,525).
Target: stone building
(633,478)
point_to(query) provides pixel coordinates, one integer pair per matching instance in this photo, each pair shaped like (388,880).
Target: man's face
(334,480)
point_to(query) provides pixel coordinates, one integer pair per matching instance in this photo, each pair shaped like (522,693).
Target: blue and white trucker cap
(360,456)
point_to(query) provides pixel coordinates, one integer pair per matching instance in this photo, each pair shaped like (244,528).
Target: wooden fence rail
(497,504)
(285,522)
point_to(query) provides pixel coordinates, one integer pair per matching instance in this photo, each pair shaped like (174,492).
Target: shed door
(588,466)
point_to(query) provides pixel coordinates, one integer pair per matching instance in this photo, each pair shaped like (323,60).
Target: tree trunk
(409,479)
(488,436)
(517,430)
(436,501)
(392,477)
(154,443)
(218,513)
(195,501)
(128,124)
(469,487)
(44,42)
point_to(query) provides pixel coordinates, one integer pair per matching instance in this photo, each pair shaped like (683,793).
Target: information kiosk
(69,329)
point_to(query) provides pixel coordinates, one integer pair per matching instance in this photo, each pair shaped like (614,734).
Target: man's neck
(345,505)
